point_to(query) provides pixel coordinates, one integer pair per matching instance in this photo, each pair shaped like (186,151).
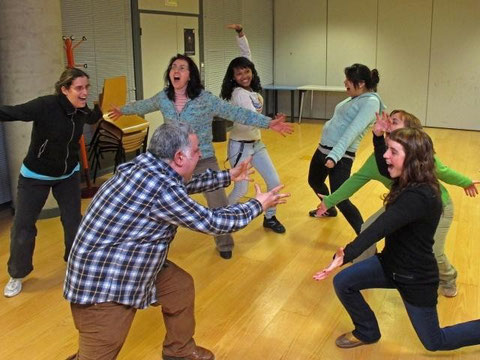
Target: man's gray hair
(168,138)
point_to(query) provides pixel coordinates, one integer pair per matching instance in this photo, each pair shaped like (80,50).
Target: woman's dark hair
(67,78)
(194,85)
(418,165)
(229,84)
(358,73)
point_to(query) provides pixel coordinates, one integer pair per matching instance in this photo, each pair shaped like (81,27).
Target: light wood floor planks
(262,304)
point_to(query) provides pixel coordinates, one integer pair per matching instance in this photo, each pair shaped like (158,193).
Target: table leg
(266,92)
(292,105)
(275,92)
(311,105)
(300,110)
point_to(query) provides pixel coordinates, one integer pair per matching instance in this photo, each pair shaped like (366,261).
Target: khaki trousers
(103,327)
(215,199)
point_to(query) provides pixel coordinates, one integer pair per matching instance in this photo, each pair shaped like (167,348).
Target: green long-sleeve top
(369,171)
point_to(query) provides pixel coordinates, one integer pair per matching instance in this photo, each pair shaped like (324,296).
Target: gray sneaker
(13,287)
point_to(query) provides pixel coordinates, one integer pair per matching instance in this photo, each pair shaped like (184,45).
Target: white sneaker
(13,287)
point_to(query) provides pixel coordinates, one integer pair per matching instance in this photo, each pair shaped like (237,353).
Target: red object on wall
(69,52)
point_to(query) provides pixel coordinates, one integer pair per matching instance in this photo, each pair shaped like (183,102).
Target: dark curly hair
(418,165)
(194,85)
(359,72)
(229,84)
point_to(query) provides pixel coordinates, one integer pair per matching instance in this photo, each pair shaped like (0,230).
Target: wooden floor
(262,304)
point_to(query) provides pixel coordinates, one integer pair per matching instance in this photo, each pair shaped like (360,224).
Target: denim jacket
(199,113)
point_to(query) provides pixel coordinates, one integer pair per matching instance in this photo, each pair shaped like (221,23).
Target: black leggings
(317,175)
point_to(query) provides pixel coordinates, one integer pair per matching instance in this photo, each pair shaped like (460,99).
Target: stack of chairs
(127,134)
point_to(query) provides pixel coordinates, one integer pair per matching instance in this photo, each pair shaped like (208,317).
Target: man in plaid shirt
(118,260)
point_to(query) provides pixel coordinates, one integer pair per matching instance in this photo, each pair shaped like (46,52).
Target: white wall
(427,53)
(454,77)
(404,33)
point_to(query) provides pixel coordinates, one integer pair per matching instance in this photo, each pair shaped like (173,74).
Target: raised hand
(382,124)
(279,125)
(236,27)
(242,171)
(336,262)
(271,198)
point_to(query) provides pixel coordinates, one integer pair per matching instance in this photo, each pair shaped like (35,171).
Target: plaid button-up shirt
(123,239)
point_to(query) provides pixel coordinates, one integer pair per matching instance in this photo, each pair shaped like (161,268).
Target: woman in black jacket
(51,163)
(407,263)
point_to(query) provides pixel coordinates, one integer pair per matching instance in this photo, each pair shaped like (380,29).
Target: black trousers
(317,175)
(31,197)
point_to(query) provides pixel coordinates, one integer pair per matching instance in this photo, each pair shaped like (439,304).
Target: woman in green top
(369,171)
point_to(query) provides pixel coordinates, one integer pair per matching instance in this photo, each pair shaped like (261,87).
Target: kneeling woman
(407,263)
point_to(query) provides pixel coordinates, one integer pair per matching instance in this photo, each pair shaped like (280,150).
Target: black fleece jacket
(408,225)
(57,128)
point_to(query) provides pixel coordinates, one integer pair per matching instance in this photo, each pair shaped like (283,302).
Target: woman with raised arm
(52,164)
(369,171)
(241,86)
(412,211)
(184,99)
(341,137)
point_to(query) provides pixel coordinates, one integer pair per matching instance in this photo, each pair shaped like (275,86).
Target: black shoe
(226,254)
(273,224)
(332,212)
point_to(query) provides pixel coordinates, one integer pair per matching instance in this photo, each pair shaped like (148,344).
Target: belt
(240,152)
(245,141)
(349,153)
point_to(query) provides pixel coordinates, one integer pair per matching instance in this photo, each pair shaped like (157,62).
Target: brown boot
(348,340)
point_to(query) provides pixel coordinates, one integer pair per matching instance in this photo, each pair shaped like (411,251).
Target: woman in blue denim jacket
(184,99)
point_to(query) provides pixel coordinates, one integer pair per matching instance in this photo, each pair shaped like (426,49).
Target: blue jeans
(369,274)
(260,161)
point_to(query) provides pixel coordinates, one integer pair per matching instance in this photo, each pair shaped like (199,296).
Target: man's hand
(336,262)
(242,171)
(271,198)
(279,125)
